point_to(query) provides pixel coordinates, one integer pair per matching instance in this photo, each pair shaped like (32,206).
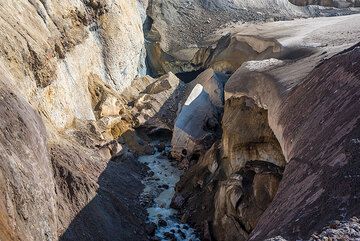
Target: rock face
(233,50)
(26,177)
(190,47)
(63,66)
(47,52)
(328,3)
(318,159)
(186,50)
(73,87)
(266,126)
(240,175)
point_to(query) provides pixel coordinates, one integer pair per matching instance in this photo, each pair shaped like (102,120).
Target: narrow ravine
(163,221)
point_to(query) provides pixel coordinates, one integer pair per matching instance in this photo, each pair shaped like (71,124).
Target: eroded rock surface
(62,65)
(311,159)
(263,122)
(240,175)
(156,106)
(189,48)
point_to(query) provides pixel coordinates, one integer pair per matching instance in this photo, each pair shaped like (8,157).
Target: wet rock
(150,228)
(162,223)
(182,234)
(177,202)
(170,236)
(184,218)
(161,147)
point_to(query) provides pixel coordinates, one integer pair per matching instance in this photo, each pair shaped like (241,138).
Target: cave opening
(189,76)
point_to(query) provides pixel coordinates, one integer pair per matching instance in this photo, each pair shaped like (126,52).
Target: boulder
(197,123)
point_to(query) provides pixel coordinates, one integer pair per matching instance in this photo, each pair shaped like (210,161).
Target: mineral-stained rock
(242,198)
(67,58)
(247,135)
(52,48)
(241,175)
(113,116)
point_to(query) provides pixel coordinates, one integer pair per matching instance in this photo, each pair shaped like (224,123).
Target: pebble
(150,228)
(162,223)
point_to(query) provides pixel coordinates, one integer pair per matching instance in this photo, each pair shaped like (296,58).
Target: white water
(164,174)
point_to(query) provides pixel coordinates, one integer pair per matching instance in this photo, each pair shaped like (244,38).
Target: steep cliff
(62,63)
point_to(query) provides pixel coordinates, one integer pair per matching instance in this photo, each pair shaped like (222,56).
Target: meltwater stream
(159,187)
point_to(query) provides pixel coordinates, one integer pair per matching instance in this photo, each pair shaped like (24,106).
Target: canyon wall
(285,136)
(192,45)
(63,65)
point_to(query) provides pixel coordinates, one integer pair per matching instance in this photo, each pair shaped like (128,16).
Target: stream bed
(159,189)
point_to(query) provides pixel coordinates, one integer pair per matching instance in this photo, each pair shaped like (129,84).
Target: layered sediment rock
(265,127)
(189,48)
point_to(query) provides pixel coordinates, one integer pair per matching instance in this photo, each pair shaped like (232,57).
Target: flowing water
(159,187)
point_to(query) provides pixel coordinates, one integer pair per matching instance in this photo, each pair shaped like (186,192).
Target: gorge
(179,120)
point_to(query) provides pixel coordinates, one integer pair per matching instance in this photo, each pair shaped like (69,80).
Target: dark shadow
(187,77)
(115,212)
(297,53)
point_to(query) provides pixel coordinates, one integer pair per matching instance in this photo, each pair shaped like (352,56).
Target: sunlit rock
(197,123)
